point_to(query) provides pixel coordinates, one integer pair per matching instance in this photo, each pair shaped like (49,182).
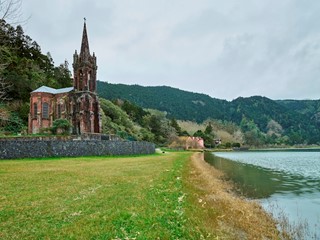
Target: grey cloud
(222,48)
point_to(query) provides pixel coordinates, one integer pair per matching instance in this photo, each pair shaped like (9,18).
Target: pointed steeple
(84,66)
(85,52)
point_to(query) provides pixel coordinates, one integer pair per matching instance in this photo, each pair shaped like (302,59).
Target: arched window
(59,111)
(35,110)
(89,81)
(80,84)
(45,110)
(63,106)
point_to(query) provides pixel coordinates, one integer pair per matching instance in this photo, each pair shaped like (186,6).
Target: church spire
(85,52)
(84,66)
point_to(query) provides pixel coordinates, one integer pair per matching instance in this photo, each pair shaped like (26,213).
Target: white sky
(225,49)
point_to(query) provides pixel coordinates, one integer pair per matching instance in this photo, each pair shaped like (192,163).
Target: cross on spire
(85,52)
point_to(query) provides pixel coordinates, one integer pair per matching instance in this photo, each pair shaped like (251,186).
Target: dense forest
(262,121)
(178,103)
(156,114)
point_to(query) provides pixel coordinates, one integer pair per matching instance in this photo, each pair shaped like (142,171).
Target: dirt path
(231,216)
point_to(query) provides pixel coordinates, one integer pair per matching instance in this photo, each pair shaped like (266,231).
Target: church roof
(64,90)
(46,89)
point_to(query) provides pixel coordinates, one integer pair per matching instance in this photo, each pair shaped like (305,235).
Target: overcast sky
(225,49)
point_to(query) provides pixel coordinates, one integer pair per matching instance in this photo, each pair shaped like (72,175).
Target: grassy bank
(224,214)
(164,196)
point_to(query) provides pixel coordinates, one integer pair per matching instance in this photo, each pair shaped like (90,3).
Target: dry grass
(219,129)
(191,127)
(224,214)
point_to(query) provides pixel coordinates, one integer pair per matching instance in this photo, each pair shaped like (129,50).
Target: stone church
(78,104)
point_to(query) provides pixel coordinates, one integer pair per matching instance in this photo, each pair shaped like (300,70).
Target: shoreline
(234,216)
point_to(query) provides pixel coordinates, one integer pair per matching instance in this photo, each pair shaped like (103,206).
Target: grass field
(95,198)
(172,195)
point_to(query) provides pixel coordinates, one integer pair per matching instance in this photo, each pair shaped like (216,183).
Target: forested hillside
(23,68)
(310,108)
(262,120)
(177,103)
(271,116)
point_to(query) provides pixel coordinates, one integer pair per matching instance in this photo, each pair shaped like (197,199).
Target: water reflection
(259,182)
(288,180)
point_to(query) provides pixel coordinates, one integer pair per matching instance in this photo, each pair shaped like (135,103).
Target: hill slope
(177,103)
(299,120)
(310,108)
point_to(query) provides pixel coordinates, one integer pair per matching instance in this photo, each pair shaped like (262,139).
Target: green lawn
(96,198)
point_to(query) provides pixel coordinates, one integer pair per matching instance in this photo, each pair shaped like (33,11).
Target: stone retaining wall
(22,148)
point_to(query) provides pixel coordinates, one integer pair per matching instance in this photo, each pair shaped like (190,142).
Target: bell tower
(85,104)
(84,66)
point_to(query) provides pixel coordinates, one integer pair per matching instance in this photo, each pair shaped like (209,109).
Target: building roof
(46,89)
(64,90)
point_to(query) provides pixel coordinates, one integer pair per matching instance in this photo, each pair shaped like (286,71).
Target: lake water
(284,181)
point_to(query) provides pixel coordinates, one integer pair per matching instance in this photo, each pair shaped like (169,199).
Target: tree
(175,125)
(274,128)
(116,121)
(62,74)
(135,112)
(208,129)
(4,85)
(15,124)
(10,11)
(252,134)
(4,115)
(160,126)
(199,133)
(207,138)
(4,88)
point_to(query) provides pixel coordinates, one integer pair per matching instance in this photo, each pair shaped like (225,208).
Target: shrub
(62,126)
(228,145)
(236,145)
(14,124)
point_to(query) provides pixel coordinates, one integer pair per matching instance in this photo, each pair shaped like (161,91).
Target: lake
(287,183)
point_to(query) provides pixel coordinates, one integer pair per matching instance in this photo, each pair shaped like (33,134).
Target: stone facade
(78,104)
(46,105)
(38,148)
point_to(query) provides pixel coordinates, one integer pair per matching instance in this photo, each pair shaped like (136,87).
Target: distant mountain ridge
(300,119)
